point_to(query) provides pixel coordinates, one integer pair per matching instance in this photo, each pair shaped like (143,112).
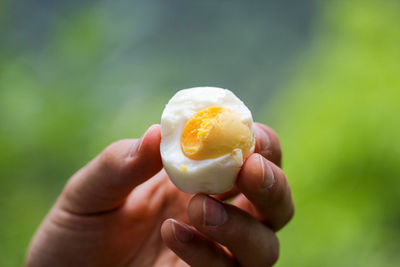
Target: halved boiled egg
(206,134)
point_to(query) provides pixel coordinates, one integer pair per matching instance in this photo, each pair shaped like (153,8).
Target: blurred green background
(77,75)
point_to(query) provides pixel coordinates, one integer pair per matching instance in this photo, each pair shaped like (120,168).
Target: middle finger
(251,242)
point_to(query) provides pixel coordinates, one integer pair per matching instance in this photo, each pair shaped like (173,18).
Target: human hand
(111,211)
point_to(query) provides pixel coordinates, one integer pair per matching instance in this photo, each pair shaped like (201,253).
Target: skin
(121,209)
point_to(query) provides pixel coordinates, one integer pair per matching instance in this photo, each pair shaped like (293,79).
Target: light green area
(340,129)
(338,119)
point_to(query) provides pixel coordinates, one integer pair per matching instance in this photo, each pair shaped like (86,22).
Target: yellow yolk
(214,132)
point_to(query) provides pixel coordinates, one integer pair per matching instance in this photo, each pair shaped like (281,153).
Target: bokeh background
(77,75)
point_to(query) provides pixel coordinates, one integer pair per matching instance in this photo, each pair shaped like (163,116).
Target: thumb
(105,182)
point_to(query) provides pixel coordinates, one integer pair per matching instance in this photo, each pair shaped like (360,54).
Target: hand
(111,211)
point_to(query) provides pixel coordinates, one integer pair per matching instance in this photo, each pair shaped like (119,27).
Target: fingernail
(268,177)
(263,141)
(181,232)
(214,213)
(135,148)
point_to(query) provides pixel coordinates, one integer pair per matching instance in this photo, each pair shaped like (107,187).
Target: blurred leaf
(339,125)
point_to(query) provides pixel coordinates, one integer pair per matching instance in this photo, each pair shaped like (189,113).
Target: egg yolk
(214,132)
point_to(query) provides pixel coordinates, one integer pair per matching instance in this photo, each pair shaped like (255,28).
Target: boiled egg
(206,134)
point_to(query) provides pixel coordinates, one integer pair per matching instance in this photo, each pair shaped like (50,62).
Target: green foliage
(55,116)
(339,125)
(338,119)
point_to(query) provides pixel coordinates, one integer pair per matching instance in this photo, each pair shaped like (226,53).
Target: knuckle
(110,149)
(108,162)
(273,134)
(290,214)
(285,219)
(105,155)
(108,157)
(268,143)
(280,191)
(273,253)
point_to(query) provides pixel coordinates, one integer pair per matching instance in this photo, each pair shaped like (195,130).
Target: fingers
(267,188)
(227,195)
(192,247)
(267,143)
(251,242)
(107,180)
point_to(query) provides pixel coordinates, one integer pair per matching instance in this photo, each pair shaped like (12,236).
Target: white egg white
(211,176)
